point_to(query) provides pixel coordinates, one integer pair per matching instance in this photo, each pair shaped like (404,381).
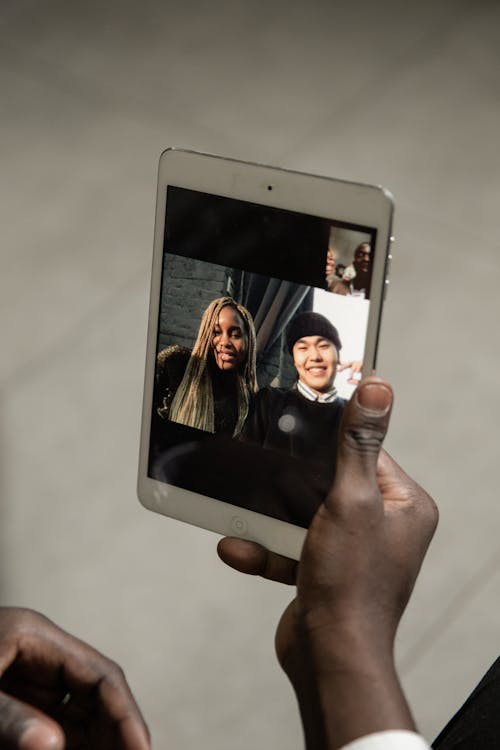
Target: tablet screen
(262,322)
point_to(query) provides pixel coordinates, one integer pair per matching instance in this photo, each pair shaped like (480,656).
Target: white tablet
(266,297)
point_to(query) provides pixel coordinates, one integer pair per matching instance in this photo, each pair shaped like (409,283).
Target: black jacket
(286,421)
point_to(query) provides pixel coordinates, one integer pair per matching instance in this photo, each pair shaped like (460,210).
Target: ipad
(266,297)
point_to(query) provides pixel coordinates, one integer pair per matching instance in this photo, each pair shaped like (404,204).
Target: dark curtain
(272,304)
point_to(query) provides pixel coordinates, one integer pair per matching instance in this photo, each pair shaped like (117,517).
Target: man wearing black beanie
(309,339)
(303,422)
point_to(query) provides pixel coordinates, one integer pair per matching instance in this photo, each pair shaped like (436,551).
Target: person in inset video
(353,279)
(335,281)
(210,387)
(303,422)
(360,284)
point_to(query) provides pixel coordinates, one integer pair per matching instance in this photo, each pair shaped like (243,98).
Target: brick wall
(191,285)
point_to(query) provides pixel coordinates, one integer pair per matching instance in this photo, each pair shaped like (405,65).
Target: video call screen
(241,412)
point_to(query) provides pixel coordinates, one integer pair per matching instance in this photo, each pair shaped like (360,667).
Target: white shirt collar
(322,398)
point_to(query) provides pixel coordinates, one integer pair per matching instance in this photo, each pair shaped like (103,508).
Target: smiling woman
(210,387)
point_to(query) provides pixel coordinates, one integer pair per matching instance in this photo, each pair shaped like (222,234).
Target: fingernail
(375,398)
(37,735)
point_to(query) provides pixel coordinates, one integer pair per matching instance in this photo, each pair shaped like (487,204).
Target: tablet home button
(239,525)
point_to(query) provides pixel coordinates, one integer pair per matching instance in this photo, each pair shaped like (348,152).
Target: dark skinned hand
(358,566)
(57,692)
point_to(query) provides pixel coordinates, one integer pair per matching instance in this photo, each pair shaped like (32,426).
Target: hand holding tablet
(359,563)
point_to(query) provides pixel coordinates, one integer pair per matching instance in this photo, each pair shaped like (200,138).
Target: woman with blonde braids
(210,388)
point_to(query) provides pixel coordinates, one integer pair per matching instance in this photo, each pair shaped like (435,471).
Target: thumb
(364,425)
(23,727)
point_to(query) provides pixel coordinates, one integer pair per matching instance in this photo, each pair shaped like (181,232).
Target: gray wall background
(402,94)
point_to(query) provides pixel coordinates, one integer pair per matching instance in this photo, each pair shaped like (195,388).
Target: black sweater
(288,422)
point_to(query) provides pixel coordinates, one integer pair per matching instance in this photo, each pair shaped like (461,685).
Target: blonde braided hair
(193,403)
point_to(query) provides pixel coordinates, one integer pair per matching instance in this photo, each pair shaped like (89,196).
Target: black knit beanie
(311,324)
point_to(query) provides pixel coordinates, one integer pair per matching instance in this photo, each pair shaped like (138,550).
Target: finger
(54,658)
(363,428)
(88,674)
(22,727)
(364,425)
(123,710)
(253,559)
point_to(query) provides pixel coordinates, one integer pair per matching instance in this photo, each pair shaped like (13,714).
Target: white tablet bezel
(343,201)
